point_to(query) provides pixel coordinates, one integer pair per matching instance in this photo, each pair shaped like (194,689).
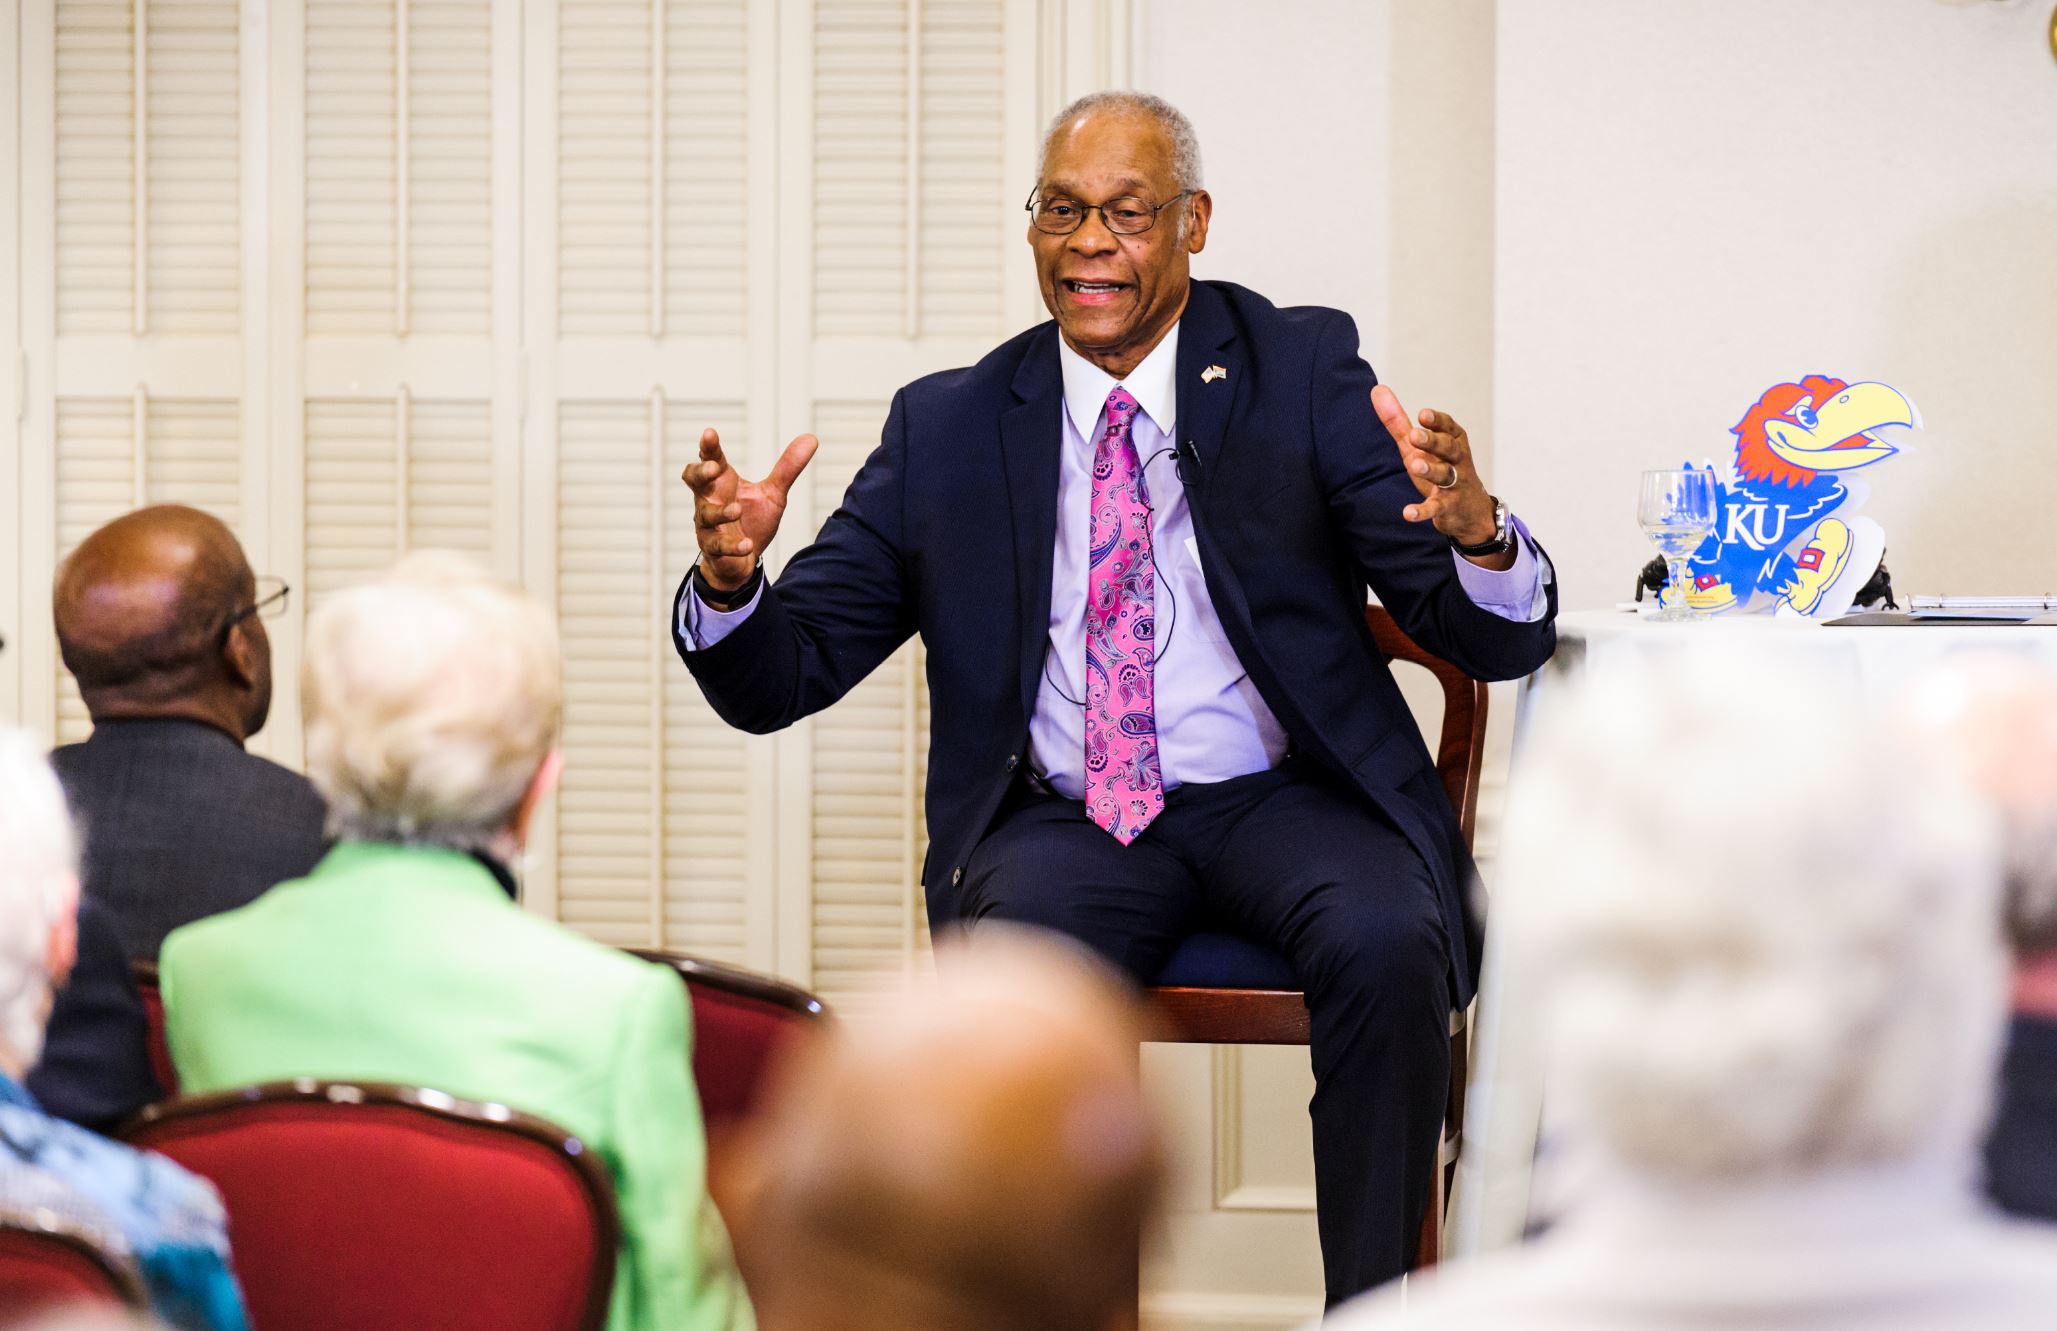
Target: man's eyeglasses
(1125,216)
(271,599)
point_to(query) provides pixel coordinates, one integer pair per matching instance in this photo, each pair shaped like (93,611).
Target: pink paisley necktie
(1124,783)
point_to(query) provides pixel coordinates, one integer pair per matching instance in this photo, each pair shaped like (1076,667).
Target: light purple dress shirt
(1211,724)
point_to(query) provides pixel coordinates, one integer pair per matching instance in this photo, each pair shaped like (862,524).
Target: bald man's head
(979,1156)
(144,608)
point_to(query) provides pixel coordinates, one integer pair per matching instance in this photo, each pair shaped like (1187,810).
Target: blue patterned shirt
(139,1204)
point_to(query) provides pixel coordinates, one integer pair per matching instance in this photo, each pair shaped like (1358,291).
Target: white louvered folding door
(908,148)
(131,186)
(650,161)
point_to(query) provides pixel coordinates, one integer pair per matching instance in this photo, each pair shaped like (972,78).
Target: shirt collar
(1086,386)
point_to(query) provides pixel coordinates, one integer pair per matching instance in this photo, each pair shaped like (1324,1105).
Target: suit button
(1013,761)
(957,875)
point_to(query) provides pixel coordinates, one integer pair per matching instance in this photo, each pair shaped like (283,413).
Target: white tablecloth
(1490,1204)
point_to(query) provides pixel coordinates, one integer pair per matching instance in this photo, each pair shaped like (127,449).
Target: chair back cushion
(735,1040)
(44,1267)
(363,1208)
(148,989)
(742,1022)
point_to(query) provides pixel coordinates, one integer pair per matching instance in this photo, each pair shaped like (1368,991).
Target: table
(1503,1111)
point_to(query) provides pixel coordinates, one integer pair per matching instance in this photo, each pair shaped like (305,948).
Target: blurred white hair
(432,697)
(1770,935)
(38,883)
(1994,716)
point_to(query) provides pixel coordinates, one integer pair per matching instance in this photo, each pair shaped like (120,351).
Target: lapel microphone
(1186,461)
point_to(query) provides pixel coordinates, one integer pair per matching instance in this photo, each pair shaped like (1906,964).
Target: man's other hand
(735,519)
(1437,455)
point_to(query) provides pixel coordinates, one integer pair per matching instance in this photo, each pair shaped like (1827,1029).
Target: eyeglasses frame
(257,607)
(1101,208)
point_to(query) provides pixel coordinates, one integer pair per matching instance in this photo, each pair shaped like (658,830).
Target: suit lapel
(1207,342)
(1031,435)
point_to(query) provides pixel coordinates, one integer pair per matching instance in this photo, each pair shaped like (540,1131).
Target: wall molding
(1228,1312)
(1231,1191)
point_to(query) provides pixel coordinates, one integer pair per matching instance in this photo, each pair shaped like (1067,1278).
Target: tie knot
(1120,407)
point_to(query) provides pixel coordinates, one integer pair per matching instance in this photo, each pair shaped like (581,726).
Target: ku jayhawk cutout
(1787,537)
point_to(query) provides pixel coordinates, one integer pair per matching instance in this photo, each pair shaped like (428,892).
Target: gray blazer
(178,822)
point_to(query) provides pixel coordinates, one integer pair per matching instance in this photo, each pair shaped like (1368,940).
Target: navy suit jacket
(1296,490)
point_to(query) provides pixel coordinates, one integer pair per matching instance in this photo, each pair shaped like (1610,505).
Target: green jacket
(410,965)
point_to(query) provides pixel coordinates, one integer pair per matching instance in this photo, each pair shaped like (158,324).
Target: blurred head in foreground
(977,1156)
(1765,931)
(1995,717)
(1769,933)
(433,698)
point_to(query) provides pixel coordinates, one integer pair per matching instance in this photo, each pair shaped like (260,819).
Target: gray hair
(38,878)
(1185,144)
(1768,928)
(432,697)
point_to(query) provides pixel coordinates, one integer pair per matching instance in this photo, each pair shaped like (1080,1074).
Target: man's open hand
(735,519)
(1437,455)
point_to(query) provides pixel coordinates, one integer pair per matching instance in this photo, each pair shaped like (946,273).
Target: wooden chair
(361,1206)
(1221,989)
(48,1262)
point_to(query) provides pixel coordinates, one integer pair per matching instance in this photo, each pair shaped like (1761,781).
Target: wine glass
(1677,511)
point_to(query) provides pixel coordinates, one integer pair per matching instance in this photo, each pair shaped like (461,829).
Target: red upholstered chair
(741,1021)
(153,1018)
(1221,989)
(382,1208)
(48,1262)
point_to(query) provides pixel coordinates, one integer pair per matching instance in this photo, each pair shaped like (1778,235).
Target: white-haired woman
(1770,938)
(136,1203)
(433,697)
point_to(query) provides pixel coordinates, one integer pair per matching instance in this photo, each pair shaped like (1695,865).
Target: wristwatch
(718,599)
(1496,544)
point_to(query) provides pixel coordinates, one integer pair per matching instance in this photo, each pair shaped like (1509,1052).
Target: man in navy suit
(1136,542)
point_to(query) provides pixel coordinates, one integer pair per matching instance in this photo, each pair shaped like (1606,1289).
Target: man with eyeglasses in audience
(161,623)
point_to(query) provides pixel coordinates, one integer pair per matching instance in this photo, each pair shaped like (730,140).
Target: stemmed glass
(1677,510)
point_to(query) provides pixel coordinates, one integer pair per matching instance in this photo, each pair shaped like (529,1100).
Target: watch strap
(715,598)
(1497,544)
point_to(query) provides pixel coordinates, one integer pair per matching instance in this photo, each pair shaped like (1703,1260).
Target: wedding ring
(1452,483)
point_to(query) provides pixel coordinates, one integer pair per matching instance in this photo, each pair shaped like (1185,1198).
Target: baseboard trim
(1228,1312)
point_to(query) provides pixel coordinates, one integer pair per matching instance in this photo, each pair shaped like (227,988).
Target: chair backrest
(357,1207)
(48,1262)
(152,994)
(741,1021)
(1461,746)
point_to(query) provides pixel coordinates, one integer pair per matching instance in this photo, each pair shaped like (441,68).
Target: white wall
(1697,200)
(1348,146)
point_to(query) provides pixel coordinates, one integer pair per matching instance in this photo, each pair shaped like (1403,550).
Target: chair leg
(1428,1250)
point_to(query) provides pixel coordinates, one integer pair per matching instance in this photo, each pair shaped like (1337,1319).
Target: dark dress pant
(1293,859)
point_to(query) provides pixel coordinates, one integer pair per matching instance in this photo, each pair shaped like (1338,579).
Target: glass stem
(1676,583)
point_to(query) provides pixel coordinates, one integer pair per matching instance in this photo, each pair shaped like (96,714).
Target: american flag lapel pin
(1211,373)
